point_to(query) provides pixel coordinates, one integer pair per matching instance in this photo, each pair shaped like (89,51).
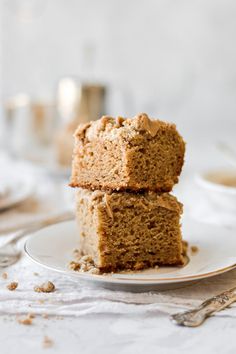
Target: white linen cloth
(74,298)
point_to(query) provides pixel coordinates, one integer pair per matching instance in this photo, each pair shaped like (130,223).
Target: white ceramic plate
(52,247)
(16,190)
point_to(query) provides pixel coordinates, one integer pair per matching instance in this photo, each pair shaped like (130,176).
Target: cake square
(136,154)
(121,230)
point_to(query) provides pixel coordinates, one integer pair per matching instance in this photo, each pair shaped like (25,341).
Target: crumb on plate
(194,249)
(185,247)
(84,264)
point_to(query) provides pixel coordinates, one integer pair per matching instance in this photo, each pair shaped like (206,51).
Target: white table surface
(114,333)
(117,334)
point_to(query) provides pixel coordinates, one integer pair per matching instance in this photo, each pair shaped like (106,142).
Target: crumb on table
(41,301)
(28,320)
(47,287)
(12,286)
(4,275)
(47,342)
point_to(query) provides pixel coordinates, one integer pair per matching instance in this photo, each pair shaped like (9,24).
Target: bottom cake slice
(121,230)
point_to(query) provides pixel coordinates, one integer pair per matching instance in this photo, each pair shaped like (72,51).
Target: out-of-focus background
(175,60)
(63,62)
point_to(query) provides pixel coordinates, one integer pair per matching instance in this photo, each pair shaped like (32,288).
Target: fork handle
(197,316)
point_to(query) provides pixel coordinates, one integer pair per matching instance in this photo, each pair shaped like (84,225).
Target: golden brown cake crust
(127,154)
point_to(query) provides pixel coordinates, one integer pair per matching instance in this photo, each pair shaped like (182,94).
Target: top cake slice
(127,154)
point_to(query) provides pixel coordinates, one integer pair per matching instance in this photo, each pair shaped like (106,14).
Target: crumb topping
(143,122)
(146,200)
(119,121)
(124,128)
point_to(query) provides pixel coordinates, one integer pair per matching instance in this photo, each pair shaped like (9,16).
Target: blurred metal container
(36,128)
(77,103)
(80,102)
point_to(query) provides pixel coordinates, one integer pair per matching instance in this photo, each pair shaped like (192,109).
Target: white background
(175,60)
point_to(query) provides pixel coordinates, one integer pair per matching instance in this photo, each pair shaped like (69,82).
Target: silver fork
(195,317)
(10,253)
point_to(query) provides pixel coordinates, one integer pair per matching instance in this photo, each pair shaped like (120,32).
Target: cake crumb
(74,266)
(47,342)
(41,301)
(139,265)
(194,249)
(36,274)
(12,286)
(45,315)
(47,287)
(28,320)
(77,253)
(119,120)
(84,264)
(4,275)
(185,247)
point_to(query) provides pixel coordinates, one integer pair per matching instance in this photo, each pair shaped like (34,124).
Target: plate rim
(124,281)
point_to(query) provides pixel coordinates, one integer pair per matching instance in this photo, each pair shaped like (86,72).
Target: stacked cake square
(123,170)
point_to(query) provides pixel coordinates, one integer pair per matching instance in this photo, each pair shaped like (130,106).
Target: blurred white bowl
(219,188)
